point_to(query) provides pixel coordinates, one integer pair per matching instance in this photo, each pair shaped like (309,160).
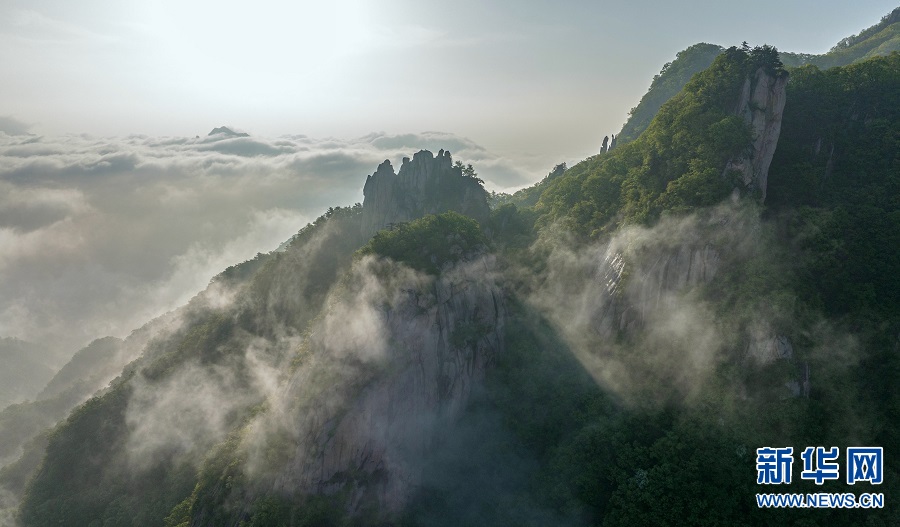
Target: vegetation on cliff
(669,81)
(879,40)
(676,165)
(429,243)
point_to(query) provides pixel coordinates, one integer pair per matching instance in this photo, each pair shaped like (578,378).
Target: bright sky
(535,80)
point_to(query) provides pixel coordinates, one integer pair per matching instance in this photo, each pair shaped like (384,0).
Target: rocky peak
(425,184)
(761,104)
(228,132)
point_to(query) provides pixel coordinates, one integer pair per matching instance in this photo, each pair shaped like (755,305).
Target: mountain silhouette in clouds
(224,130)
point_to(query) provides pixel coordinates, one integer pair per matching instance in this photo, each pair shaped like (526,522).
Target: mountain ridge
(227,132)
(877,40)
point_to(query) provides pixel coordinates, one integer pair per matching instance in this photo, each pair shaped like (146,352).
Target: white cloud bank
(97,235)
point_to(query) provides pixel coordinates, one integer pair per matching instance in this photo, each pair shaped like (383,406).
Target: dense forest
(608,347)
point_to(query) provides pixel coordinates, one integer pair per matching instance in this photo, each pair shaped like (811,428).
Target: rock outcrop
(376,395)
(761,104)
(770,348)
(424,185)
(662,276)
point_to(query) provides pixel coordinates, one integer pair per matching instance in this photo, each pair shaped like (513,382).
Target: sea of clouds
(99,234)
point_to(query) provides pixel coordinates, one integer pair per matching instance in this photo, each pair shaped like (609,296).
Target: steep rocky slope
(761,104)
(397,384)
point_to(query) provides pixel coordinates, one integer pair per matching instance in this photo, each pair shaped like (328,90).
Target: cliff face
(424,185)
(662,277)
(761,104)
(639,281)
(386,371)
(654,309)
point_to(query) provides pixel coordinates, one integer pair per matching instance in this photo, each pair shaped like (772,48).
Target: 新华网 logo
(774,465)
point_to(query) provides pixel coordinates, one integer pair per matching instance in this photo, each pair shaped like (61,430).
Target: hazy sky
(111,211)
(529,77)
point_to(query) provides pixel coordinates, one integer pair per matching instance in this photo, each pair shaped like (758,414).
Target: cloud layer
(98,235)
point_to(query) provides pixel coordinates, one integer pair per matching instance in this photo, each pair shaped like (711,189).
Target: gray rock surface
(628,303)
(761,104)
(373,396)
(427,184)
(771,348)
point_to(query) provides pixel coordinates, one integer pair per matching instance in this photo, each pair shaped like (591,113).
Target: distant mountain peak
(224,130)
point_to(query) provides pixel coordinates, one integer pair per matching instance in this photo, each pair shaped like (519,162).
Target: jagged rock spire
(427,184)
(761,104)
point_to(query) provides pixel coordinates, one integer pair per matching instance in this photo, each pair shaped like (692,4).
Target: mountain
(879,40)
(610,346)
(74,383)
(94,365)
(425,185)
(227,132)
(715,137)
(246,328)
(670,80)
(25,427)
(23,373)
(835,173)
